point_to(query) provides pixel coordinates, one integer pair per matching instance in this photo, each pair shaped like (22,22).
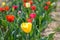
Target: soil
(54,24)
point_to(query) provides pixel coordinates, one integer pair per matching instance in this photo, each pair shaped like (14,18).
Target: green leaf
(4,23)
(51,36)
(57,29)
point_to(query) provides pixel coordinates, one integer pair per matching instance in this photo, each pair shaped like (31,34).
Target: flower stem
(27,36)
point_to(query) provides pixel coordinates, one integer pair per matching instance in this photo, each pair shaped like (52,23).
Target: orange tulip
(6,8)
(48,3)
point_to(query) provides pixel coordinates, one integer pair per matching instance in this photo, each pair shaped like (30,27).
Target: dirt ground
(54,24)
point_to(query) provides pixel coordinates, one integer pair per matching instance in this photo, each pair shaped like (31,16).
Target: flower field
(25,19)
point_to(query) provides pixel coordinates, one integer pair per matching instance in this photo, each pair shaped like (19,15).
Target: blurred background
(54,25)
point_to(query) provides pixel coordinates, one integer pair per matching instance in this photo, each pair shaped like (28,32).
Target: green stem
(27,36)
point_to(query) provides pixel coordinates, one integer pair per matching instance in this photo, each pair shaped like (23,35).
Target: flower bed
(25,19)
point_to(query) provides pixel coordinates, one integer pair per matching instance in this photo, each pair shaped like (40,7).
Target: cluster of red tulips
(6,8)
(27,4)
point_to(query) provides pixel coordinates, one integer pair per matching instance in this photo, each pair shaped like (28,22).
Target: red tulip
(33,7)
(46,7)
(2,9)
(15,7)
(29,20)
(32,15)
(10,18)
(31,2)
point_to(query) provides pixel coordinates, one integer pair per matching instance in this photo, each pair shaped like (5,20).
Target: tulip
(3,3)
(32,15)
(10,18)
(6,8)
(27,5)
(48,3)
(19,12)
(15,7)
(29,20)
(26,27)
(2,9)
(46,7)
(33,7)
(31,2)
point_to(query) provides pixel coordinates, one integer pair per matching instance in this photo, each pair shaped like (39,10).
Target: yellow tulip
(3,3)
(26,27)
